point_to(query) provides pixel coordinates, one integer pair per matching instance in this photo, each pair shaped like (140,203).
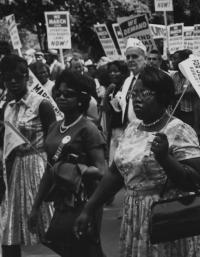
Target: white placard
(191,70)
(58,30)
(175,37)
(188,32)
(157,31)
(106,41)
(13,31)
(196,42)
(163,5)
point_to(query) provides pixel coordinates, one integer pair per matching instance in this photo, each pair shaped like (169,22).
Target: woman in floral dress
(159,147)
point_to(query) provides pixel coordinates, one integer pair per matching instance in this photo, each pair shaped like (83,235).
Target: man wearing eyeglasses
(136,59)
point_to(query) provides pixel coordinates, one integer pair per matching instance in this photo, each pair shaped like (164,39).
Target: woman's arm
(110,184)
(45,185)
(47,115)
(183,173)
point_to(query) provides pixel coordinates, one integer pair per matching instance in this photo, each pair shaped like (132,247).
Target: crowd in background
(111,108)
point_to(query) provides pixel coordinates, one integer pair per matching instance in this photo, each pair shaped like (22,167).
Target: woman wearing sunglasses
(158,147)
(73,140)
(26,160)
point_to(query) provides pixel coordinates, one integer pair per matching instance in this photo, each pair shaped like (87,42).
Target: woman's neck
(18,97)
(155,124)
(71,118)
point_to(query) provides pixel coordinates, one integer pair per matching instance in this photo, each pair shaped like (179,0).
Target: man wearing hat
(136,59)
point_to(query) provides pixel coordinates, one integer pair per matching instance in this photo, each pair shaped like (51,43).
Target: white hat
(134,42)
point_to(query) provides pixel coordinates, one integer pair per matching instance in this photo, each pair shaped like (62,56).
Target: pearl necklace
(64,128)
(148,125)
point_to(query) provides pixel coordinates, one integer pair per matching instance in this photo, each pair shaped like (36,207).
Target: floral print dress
(144,178)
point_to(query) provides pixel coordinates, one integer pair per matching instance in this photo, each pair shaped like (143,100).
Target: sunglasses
(16,76)
(66,94)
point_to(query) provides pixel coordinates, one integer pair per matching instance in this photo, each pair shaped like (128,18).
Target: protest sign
(157,31)
(4,34)
(175,37)
(191,70)
(196,42)
(35,85)
(163,5)
(188,32)
(58,30)
(137,27)
(13,31)
(119,37)
(106,41)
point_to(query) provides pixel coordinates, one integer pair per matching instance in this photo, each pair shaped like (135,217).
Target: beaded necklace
(152,124)
(64,128)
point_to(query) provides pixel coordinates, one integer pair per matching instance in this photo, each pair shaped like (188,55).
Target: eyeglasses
(8,76)
(142,94)
(66,94)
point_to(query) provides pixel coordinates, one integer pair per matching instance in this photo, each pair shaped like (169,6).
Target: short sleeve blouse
(136,162)
(84,136)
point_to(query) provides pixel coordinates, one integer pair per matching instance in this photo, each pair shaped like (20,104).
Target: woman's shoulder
(88,123)
(54,126)
(181,132)
(177,124)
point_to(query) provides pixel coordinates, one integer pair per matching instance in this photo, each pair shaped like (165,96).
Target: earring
(79,104)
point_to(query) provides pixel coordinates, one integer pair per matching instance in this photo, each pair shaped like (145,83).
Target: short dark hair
(121,65)
(10,62)
(159,82)
(155,51)
(78,83)
(183,54)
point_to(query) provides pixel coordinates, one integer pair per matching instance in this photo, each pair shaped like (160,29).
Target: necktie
(128,111)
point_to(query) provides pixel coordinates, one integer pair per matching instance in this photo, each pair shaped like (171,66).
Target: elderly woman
(158,147)
(73,140)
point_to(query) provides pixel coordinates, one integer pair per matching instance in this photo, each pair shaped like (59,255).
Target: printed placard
(58,30)
(188,32)
(106,41)
(175,37)
(137,27)
(119,37)
(196,42)
(13,31)
(163,5)
(157,31)
(191,70)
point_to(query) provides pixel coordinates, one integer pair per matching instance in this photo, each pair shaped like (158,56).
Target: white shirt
(122,98)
